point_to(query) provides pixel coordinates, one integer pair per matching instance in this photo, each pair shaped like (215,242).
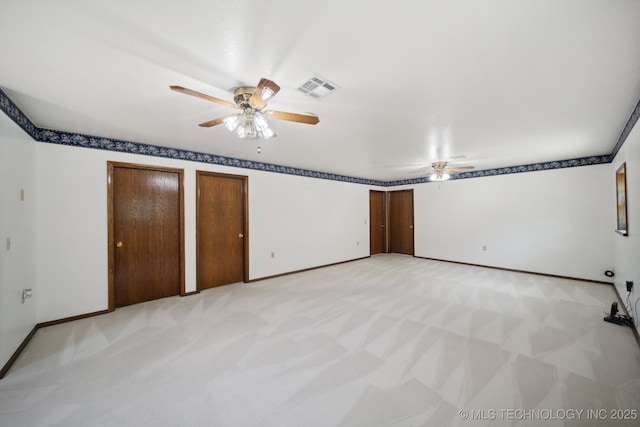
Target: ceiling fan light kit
(252,122)
(251,125)
(439,176)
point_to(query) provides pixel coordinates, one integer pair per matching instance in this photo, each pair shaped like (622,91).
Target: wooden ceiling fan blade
(203,96)
(214,122)
(308,119)
(265,90)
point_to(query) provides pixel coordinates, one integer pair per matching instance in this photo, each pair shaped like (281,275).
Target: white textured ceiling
(502,82)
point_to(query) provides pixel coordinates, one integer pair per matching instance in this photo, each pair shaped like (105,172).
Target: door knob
(241,235)
(119,244)
(411,226)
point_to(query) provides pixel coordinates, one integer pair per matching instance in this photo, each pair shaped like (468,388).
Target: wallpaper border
(631,122)
(15,114)
(53,136)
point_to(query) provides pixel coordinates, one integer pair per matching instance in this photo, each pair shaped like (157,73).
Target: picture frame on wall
(621,200)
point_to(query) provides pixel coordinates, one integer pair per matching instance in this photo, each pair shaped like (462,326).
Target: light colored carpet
(388,340)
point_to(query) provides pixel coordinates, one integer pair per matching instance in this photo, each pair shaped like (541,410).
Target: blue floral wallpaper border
(15,114)
(635,115)
(100,143)
(88,141)
(560,164)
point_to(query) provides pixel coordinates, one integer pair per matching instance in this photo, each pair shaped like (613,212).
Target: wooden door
(377,222)
(401,221)
(146,243)
(221,229)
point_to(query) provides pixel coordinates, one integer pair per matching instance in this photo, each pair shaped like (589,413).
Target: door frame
(245,220)
(111,165)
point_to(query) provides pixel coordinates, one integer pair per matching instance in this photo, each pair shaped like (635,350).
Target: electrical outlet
(273,254)
(484,248)
(629,285)
(26,294)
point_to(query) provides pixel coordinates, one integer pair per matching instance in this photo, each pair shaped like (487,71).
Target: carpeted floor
(388,340)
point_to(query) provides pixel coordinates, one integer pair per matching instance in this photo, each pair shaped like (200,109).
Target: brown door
(145,233)
(377,222)
(220,229)
(401,221)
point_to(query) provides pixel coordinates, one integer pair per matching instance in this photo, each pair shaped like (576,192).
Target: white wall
(555,222)
(627,248)
(17,221)
(306,222)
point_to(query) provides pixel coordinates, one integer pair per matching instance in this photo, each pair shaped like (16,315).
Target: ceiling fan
(251,122)
(442,172)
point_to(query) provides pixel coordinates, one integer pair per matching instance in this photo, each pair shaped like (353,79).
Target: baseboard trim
(600,282)
(14,357)
(16,353)
(71,319)
(305,269)
(22,346)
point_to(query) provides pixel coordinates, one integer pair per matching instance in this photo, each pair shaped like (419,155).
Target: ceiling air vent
(317,87)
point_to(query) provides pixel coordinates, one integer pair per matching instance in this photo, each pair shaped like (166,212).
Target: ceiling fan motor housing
(439,166)
(242,95)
